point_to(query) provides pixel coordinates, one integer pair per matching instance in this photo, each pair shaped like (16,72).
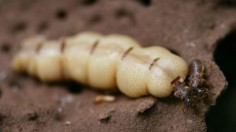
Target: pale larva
(103,62)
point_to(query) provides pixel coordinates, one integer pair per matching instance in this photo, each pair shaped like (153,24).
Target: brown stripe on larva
(153,62)
(94,47)
(126,52)
(62,45)
(62,68)
(39,47)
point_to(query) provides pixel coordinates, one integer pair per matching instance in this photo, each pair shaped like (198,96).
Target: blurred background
(222,117)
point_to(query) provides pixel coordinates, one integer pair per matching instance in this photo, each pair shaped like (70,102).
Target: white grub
(103,62)
(104,98)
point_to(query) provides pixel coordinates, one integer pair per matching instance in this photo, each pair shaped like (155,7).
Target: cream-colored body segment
(77,55)
(103,62)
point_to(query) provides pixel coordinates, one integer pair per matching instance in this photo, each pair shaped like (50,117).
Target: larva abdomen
(76,55)
(135,73)
(103,62)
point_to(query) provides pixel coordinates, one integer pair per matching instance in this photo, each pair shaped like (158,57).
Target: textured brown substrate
(188,28)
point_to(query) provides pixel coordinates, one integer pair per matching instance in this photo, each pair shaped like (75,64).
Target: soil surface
(188,28)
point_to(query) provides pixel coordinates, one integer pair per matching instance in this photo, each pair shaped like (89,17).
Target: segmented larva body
(103,62)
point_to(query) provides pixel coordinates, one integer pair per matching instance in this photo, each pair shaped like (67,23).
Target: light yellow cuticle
(102,62)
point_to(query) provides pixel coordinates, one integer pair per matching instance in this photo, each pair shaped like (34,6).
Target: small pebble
(67,123)
(104,98)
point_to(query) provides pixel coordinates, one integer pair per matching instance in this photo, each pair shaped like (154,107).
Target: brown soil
(188,28)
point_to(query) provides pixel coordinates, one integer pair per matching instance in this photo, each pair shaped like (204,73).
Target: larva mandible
(103,62)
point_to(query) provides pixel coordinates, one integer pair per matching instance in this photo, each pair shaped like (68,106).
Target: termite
(184,92)
(195,87)
(104,62)
(196,78)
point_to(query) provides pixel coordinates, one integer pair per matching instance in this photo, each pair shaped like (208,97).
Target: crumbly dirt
(188,28)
